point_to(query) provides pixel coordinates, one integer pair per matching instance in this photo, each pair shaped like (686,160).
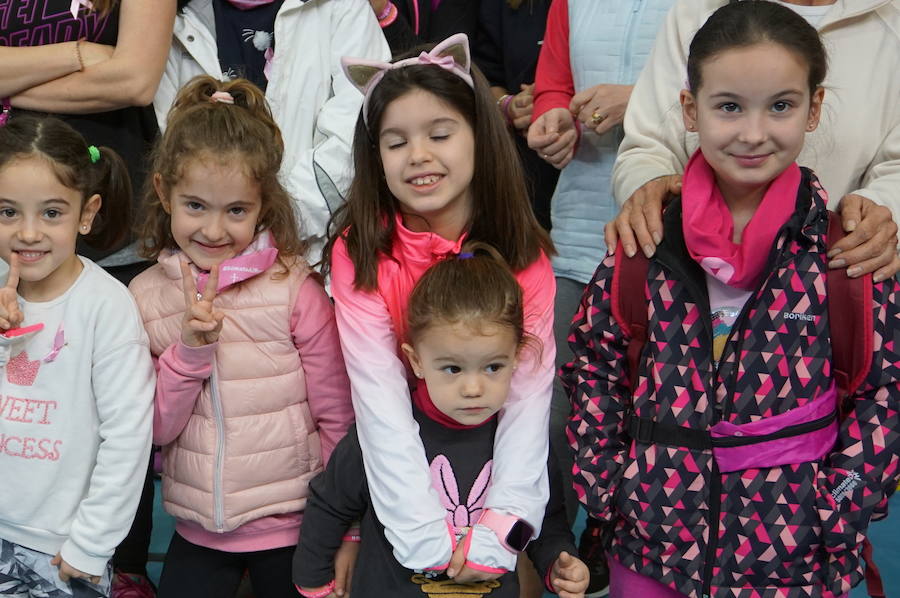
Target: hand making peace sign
(10,314)
(200,325)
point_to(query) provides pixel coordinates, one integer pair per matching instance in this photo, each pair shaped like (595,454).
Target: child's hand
(570,576)
(68,572)
(10,314)
(200,325)
(458,571)
(344,561)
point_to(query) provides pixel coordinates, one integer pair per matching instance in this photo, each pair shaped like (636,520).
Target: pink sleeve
(327,387)
(553,83)
(181,373)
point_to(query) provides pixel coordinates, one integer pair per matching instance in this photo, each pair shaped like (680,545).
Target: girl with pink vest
(252,394)
(435,167)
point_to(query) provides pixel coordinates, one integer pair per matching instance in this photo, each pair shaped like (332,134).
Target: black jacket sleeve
(337,498)
(556,536)
(487,49)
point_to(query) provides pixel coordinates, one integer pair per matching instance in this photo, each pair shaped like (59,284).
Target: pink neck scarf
(248,4)
(709,228)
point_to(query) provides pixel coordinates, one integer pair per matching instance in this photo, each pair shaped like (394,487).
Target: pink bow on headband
(452,55)
(76,6)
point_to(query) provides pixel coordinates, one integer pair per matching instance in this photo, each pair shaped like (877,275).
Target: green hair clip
(94,153)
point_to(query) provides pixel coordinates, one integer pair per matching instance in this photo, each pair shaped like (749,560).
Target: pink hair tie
(222,97)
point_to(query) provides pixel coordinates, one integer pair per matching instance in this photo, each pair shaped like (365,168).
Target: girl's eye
(394,143)
(52,213)
(781,106)
(440,136)
(194,205)
(494,367)
(8,213)
(451,369)
(238,211)
(730,107)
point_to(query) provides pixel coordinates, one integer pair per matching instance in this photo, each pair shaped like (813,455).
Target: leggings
(193,571)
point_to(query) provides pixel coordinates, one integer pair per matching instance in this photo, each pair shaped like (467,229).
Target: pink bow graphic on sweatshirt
(443,479)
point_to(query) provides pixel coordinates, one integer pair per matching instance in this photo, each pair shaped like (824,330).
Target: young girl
(252,394)
(738,345)
(77,381)
(463,348)
(434,167)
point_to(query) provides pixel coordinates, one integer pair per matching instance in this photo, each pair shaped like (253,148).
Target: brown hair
(68,155)
(474,288)
(501,211)
(104,7)
(244,133)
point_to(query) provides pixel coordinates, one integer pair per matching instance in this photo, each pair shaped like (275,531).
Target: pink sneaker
(127,585)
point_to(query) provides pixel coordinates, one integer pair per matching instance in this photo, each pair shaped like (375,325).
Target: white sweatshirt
(856,148)
(75,416)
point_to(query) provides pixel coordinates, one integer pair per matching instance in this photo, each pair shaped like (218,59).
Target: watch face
(519,535)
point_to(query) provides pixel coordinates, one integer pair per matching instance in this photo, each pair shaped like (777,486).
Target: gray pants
(27,573)
(568,297)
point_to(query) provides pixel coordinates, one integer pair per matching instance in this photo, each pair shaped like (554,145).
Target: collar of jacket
(808,223)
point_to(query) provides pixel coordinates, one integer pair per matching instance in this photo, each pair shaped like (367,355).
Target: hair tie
(465,255)
(221,97)
(94,153)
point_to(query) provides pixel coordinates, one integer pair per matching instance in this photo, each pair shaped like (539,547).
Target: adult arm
(327,387)
(122,378)
(517,486)
(597,384)
(553,134)
(354,33)
(29,66)
(862,472)
(128,78)
(396,468)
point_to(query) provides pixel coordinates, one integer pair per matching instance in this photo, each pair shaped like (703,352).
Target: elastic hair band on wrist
(352,538)
(78,55)
(327,589)
(504,103)
(94,153)
(388,15)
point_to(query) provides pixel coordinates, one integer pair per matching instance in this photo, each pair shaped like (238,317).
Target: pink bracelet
(327,589)
(505,101)
(388,15)
(352,538)
(5,109)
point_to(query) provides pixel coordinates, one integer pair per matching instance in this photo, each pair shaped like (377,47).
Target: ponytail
(75,166)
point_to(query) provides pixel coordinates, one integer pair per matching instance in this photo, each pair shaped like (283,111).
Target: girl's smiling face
(752,112)
(40,219)
(214,209)
(428,152)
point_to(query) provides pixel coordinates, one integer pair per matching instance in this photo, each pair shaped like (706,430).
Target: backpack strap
(629,305)
(850,303)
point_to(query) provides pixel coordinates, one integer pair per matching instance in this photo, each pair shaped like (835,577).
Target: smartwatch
(513,533)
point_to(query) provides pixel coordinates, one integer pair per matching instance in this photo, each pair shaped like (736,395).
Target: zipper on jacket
(629,36)
(218,498)
(715,506)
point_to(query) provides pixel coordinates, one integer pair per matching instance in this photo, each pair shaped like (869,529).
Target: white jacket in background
(312,101)
(856,148)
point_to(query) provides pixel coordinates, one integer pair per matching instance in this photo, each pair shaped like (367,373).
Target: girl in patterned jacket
(436,167)
(726,470)
(252,394)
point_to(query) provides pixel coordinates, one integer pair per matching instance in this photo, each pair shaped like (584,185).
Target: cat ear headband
(452,55)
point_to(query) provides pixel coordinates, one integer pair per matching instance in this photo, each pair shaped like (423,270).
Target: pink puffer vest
(250,447)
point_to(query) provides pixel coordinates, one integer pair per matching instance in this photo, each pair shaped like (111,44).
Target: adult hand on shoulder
(639,223)
(68,572)
(871,245)
(344,563)
(601,107)
(10,314)
(201,325)
(521,108)
(569,576)
(460,573)
(553,136)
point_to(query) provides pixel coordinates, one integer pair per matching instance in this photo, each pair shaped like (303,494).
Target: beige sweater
(856,148)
